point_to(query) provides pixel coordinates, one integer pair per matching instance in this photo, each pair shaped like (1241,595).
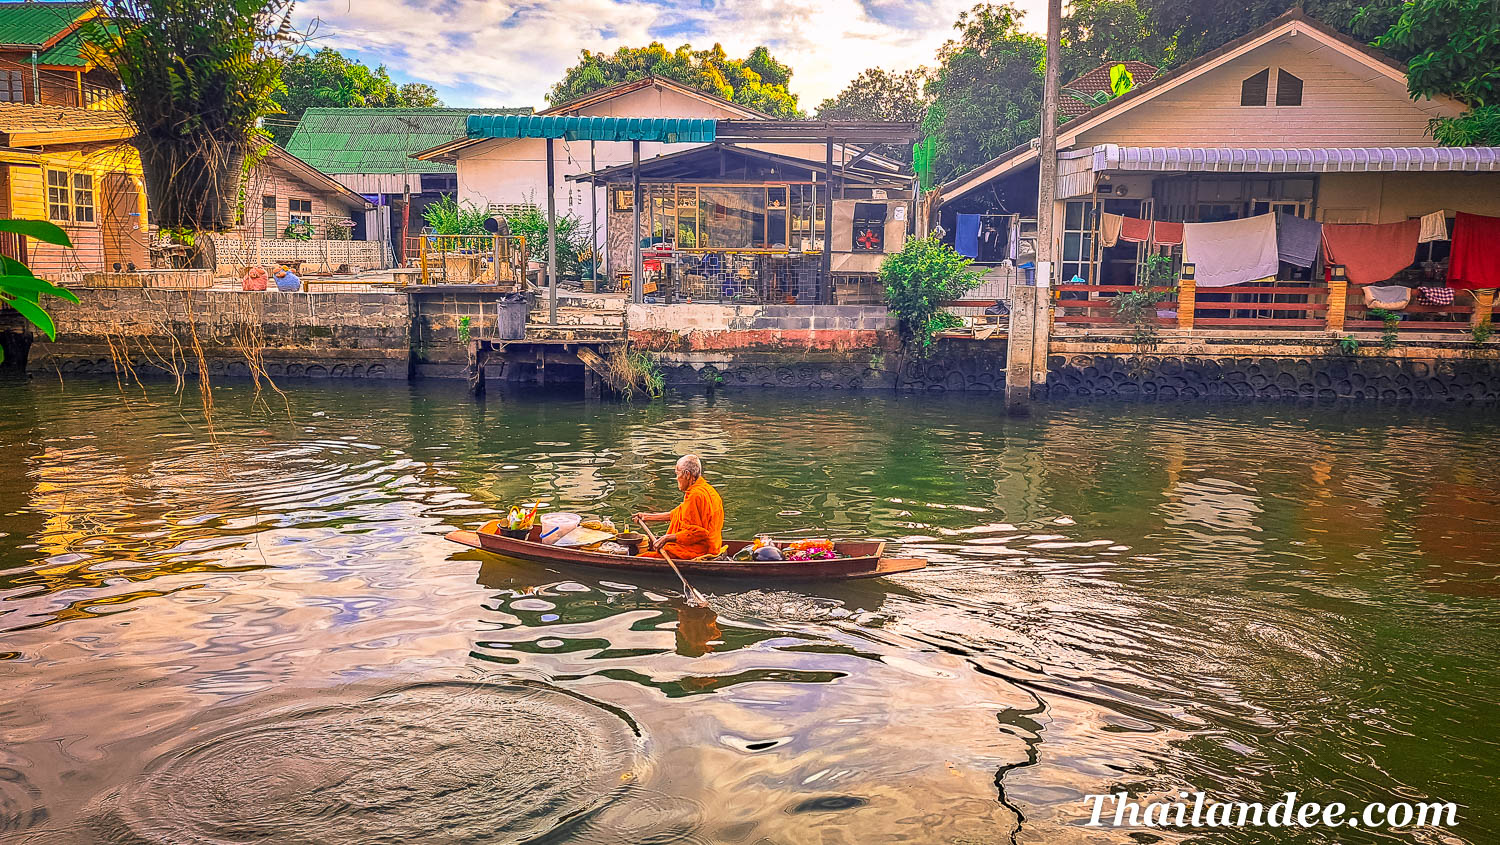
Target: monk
(696,527)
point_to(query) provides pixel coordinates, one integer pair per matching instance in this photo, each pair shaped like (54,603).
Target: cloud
(510,52)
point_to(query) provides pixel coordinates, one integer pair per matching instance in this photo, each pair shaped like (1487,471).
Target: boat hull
(868,563)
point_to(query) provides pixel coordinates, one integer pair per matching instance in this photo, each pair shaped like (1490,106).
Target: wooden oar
(692,596)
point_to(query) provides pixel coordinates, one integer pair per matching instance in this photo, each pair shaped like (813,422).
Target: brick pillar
(1484,306)
(1187,298)
(1338,297)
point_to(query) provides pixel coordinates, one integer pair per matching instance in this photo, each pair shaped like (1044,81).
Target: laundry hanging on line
(1135,230)
(966,235)
(1434,227)
(1164,233)
(1474,263)
(1109,229)
(1231,252)
(1298,239)
(1371,252)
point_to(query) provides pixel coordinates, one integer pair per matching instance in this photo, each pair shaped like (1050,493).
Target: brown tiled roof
(1097,80)
(26,125)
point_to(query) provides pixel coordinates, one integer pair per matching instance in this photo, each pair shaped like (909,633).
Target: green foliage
(1480,333)
(1137,309)
(298,232)
(465,329)
(1348,345)
(328,78)
(20,289)
(758,81)
(1099,31)
(198,76)
(1452,47)
(572,238)
(921,277)
(1390,322)
(649,374)
(987,92)
(879,95)
(711,378)
(1121,80)
(447,216)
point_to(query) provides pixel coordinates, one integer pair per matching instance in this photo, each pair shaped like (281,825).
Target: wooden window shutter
(1253,90)
(1288,89)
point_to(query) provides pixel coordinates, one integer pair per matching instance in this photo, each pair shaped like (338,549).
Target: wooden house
(42,60)
(1294,117)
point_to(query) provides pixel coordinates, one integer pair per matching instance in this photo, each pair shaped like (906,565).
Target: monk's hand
(663,540)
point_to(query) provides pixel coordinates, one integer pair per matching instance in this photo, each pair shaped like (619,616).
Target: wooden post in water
(1187,297)
(1031,307)
(1338,298)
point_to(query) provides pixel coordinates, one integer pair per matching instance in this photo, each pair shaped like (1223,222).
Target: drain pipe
(36,81)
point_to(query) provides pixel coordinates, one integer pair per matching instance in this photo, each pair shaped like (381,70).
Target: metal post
(637,283)
(1026,347)
(551,237)
(594,223)
(827,224)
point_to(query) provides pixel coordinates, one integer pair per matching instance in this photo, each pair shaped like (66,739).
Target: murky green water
(267,636)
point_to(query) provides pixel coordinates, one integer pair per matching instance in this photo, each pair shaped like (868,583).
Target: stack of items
(764,549)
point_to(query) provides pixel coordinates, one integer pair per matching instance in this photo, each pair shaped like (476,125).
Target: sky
(510,52)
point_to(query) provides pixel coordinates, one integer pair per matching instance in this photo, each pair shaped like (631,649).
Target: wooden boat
(860,559)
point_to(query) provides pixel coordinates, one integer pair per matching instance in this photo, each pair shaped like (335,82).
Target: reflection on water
(266,636)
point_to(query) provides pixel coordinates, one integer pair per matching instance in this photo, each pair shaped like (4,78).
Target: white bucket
(556,526)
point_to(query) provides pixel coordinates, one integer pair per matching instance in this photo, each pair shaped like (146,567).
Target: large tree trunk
(193,184)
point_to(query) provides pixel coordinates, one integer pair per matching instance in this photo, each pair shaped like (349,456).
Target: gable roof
(448,149)
(679,165)
(312,176)
(1096,81)
(37,26)
(346,141)
(1292,22)
(618,89)
(26,125)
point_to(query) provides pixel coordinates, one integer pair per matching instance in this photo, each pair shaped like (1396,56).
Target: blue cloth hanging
(966,235)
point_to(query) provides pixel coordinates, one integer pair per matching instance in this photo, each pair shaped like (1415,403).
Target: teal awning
(667,130)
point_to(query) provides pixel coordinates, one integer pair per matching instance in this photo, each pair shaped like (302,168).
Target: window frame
(82,192)
(296,215)
(12,86)
(1281,76)
(59,195)
(1265,91)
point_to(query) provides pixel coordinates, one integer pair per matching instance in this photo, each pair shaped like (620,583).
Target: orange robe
(698,523)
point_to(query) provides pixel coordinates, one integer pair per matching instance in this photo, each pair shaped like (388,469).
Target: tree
(758,81)
(878,95)
(1099,31)
(328,78)
(987,93)
(1454,49)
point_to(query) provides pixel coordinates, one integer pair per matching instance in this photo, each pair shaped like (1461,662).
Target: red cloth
(1371,252)
(1475,262)
(1135,230)
(1167,234)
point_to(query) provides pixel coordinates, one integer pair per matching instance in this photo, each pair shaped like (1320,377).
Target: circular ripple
(425,763)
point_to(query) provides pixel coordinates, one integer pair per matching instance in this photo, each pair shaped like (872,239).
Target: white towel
(1109,229)
(1232,252)
(1434,227)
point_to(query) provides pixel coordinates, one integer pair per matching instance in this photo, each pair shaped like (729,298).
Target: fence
(234,253)
(468,259)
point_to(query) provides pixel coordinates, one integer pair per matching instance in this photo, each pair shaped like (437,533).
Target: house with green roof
(42,60)
(370,150)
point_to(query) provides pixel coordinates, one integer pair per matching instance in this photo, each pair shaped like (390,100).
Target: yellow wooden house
(77,168)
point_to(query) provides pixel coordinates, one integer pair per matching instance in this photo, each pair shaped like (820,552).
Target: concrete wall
(797,328)
(1394,197)
(322,335)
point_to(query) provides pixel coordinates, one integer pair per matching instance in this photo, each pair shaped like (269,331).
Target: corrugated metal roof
(664,130)
(68,52)
(1296,160)
(34,24)
(339,141)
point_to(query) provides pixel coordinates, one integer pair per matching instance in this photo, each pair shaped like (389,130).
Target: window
(869,226)
(299,211)
(1288,89)
(59,209)
(1080,223)
(268,218)
(11,90)
(1253,90)
(83,198)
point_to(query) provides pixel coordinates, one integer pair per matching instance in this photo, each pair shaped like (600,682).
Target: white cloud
(487,53)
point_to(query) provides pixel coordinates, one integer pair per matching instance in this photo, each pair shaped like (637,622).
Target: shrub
(918,280)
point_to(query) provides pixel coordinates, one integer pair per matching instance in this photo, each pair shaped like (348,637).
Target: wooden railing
(1095,306)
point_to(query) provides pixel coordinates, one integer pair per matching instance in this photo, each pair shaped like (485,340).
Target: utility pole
(1027,343)
(551,238)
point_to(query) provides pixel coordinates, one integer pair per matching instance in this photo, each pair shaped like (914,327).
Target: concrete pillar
(1338,298)
(1187,297)
(1020,347)
(1484,306)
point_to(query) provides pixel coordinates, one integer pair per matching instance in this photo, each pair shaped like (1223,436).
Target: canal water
(254,627)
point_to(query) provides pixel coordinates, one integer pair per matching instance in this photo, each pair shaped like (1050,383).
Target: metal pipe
(827,224)
(637,283)
(594,223)
(551,237)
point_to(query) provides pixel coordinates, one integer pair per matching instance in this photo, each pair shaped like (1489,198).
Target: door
(124,231)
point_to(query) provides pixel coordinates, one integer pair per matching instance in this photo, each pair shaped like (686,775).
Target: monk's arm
(695,516)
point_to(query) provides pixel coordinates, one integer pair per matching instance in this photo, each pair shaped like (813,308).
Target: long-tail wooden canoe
(859,559)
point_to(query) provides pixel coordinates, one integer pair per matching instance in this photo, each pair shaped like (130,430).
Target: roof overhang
(47,136)
(818,131)
(566,127)
(621,173)
(1112,157)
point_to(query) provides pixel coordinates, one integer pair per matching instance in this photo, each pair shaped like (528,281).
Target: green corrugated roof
(379,140)
(68,52)
(669,130)
(31,24)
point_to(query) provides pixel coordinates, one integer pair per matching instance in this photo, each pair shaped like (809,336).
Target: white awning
(1297,160)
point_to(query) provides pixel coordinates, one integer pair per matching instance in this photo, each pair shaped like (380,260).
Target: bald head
(689,470)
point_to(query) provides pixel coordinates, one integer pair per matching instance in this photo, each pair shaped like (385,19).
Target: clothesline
(1250,249)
